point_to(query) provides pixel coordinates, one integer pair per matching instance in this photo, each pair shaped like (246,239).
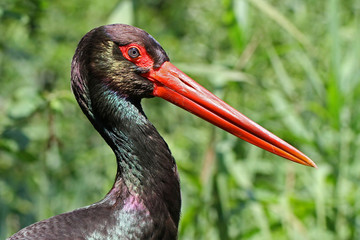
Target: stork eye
(134,52)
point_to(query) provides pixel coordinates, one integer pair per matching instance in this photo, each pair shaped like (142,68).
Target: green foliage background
(290,65)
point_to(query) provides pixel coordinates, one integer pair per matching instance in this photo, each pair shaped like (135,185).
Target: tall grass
(292,66)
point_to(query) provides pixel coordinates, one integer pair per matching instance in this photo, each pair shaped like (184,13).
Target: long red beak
(175,86)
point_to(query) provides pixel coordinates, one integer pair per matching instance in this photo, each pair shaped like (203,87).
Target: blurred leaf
(293,66)
(280,19)
(123,13)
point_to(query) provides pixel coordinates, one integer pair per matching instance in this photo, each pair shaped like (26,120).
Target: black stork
(113,68)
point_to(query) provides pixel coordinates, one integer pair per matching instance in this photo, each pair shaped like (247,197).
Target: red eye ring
(137,54)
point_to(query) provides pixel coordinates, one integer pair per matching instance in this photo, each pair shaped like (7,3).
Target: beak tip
(310,163)
(314,166)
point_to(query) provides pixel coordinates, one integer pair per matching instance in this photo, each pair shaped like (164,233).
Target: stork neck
(140,151)
(146,167)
